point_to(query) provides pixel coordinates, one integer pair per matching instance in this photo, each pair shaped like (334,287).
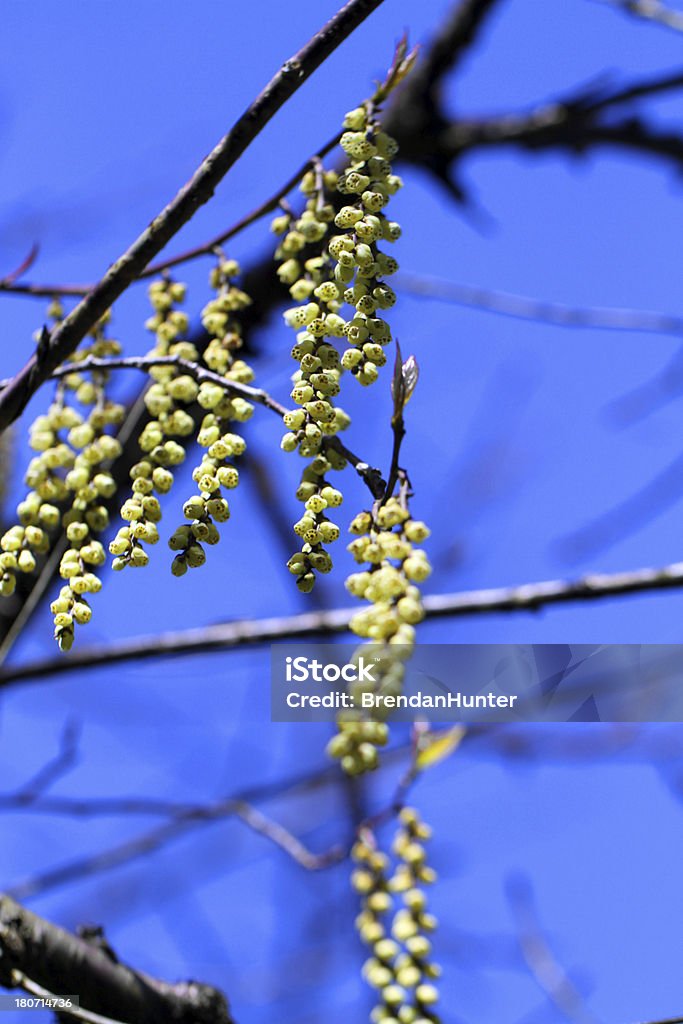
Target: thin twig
(11,283)
(28,261)
(162,836)
(54,769)
(291,76)
(199,373)
(525,308)
(257,632)
(650,10)
(371,477)
(293,847)
(543,965)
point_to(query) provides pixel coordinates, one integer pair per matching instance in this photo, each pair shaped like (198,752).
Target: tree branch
(523,307)
(371,477)
(256,632)
(453,41)
(62,963)
(11,284)
(199,373)
(539,957)
(179,211)
(181,821)
(650,10)
(576,122)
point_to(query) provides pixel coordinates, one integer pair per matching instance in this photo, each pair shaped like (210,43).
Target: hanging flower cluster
(216,472)
(329,258)
(69,483)
(163,440)
(400,967)
(386,543)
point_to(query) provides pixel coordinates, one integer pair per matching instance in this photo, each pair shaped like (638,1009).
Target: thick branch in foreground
(64,964)
(194,194)
(527,597)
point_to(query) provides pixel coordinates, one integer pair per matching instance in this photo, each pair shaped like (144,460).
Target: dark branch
(527,597)
(581,121)
(64,964)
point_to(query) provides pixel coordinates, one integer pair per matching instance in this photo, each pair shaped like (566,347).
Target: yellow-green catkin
(216,473)
(70,483)
(162,442)
(91,484)
(400,966)
(387,545)
(40,511)
(330,259)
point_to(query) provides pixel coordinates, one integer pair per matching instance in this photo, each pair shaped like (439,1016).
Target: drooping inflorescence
(386,543)
(69,483)
(216,473)
(330,259)
(400,967)
(163,439)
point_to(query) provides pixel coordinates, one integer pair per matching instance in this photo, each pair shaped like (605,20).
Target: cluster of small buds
(351,268)
(163,439)
(92,486)
(368,183)
(216,472)
(70,484)
(314,528)
(385,542)
(400,967)
(329,259)
(356,743)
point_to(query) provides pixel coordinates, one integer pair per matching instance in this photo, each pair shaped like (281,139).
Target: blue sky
(104,111)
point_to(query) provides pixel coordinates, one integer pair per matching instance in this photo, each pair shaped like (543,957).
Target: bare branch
(453,41)
(293,847)
(579,121)
(524,308)
(194,194)
(543,965)
(25,265)
(669,1020)
(200,373)
(54,770)
(59,962)
(180,823)
(371,477)
(12,285)
(256,632)
(650,10)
